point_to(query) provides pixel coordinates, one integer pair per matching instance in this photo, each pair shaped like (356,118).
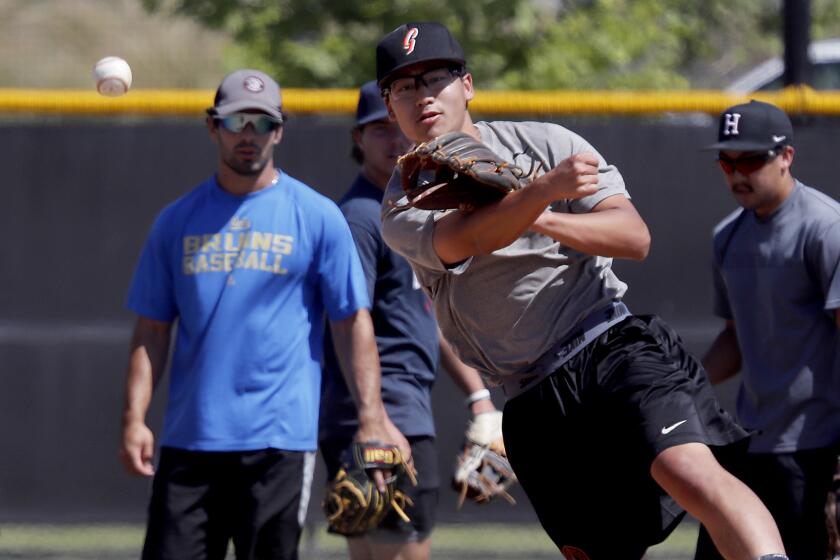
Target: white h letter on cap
(730,124)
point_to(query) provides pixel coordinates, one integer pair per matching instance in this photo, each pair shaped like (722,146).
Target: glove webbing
(360,497)
(398,498)
(398,501)
(470,474)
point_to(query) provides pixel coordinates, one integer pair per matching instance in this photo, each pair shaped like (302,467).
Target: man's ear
(212,127)
(278,135)
(787,154)
(356,134)
(469,91)
(391,115)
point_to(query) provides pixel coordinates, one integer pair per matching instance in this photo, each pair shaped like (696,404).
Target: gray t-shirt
(778,278)
(503,311)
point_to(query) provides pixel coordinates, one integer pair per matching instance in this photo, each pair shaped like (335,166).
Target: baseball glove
(465,173)
(482,471)
(353,504)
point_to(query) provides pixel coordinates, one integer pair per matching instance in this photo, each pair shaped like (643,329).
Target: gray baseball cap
(247,89)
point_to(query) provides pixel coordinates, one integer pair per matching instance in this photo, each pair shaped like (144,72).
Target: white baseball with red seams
(112,75)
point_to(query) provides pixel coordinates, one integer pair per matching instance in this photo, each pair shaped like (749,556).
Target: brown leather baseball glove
(462,172)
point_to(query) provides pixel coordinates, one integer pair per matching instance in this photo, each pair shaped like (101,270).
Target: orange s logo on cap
(408,40)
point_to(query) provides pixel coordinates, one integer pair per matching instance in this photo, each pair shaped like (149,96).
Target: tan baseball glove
(353,505)
(482,470)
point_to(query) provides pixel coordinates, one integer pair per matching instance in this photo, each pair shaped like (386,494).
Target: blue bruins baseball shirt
(248,278)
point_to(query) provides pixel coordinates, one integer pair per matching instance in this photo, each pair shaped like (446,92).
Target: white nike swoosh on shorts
(668,429)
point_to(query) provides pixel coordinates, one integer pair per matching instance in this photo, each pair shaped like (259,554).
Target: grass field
(451,542)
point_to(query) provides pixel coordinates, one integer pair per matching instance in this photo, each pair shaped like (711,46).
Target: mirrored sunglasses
(745,165)
(237,122)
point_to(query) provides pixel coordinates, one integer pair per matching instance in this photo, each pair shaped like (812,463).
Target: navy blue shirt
(403,322)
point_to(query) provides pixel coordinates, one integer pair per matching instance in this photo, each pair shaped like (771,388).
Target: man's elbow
(639,245)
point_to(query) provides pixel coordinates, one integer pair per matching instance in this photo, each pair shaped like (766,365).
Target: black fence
(79,196)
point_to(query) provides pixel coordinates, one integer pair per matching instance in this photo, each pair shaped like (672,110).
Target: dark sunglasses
(748,164)
(237,122)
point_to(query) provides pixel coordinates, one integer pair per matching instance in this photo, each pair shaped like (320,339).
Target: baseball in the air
(112,75)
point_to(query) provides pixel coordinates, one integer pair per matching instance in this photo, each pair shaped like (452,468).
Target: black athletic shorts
(582,441)
(202,500)
(424,495)
(794,487)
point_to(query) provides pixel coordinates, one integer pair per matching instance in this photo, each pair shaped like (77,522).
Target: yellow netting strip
(343,101)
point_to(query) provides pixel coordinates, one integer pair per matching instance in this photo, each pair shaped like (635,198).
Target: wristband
(480,395)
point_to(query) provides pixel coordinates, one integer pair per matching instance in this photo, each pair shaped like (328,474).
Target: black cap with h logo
(753,126)
(412,43)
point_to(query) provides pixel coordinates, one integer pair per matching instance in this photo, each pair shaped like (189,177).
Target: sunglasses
(746,165)
(237,122)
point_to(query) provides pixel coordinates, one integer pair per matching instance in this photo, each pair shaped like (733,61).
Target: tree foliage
(522,44)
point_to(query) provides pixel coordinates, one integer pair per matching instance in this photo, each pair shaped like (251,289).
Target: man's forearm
(149,350)
(613,229)
(466,378)
(463,234)
(358,357)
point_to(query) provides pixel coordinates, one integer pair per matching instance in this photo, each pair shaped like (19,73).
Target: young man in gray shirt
(777,286)
(605,409)
(409,346)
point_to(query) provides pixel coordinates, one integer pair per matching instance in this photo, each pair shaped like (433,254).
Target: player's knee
(689,471)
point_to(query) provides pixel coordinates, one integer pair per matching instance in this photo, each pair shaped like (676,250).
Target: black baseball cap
(411,43)
(371,107)
(247,89)
(753,126)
